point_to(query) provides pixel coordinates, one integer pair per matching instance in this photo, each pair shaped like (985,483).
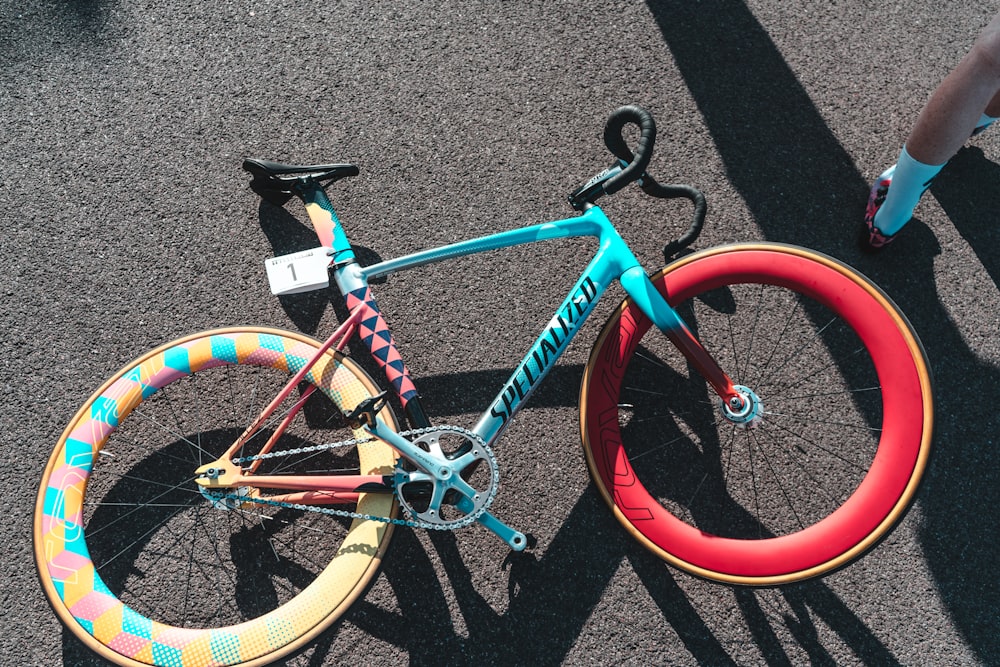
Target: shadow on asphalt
(969,192)
(557,592)
(48,26)
(789,167)
(727,59)
(560,592)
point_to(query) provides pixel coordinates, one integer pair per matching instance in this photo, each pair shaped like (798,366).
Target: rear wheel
(147,570)
(823,465)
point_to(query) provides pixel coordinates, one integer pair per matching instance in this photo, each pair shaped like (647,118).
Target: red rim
(885,490)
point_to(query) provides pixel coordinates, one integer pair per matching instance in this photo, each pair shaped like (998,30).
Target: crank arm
(408,450)
(515,539)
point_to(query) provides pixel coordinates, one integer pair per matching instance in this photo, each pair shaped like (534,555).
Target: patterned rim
(93,612)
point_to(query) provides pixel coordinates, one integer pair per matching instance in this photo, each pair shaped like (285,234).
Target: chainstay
(467,520)
(329,511)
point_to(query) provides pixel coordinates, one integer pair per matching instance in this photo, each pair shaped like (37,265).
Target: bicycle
(785,459)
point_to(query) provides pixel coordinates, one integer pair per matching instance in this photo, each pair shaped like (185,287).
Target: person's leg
(989,116)
(993,108)
(956,106)
(955,110)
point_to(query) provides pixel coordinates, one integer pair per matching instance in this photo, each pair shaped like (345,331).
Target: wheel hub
(749,413)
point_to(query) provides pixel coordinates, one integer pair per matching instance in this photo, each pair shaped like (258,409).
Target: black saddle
(276,182)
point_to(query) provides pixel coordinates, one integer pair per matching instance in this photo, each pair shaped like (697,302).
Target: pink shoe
(872,238)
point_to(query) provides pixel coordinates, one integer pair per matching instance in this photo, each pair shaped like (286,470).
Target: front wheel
(827,462)
(145,569)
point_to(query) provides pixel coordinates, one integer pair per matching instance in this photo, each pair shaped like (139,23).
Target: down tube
(549,346)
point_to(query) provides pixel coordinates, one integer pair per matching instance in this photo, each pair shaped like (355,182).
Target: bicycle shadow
(727,58)
(122,538)
(555,595)
(585,574)
(559,592)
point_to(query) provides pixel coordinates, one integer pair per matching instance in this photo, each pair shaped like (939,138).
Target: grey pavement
(127,222)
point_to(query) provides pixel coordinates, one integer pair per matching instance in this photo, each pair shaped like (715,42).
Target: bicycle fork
(740,404)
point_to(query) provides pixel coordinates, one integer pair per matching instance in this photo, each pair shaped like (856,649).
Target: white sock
(909,181)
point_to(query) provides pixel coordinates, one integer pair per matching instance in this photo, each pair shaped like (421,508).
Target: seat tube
(325,221)
(641,289)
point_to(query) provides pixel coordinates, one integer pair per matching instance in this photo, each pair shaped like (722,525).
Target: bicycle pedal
(364,413)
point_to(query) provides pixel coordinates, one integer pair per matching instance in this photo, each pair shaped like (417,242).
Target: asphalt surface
(127,222)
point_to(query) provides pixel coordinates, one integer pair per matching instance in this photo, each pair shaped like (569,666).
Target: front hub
(749,413)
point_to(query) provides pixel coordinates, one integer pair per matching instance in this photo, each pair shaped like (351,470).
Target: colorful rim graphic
(879,500)
(82,599)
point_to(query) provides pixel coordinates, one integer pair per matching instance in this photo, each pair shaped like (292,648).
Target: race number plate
(298,272)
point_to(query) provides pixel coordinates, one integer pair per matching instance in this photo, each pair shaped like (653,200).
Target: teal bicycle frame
(612,261)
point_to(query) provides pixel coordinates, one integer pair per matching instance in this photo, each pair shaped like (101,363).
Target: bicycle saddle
(274,180)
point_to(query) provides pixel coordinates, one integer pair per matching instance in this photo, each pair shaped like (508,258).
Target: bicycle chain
(451,525)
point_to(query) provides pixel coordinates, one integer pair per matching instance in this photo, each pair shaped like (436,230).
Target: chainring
(460,490)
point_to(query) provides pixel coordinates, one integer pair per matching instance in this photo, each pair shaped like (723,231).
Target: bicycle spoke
(751,335)
(806,341)
(175,433)
(141,506)
(183,559)
(789,317)
(827,394)
(817,482)
(829,366)
(132,544)
(811,420)
(798,353)
(799,385)
(777,479)
(800,437)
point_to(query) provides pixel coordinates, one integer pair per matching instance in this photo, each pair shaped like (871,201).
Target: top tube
(613,260)
(349,276)
(331,234)
(591,223)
